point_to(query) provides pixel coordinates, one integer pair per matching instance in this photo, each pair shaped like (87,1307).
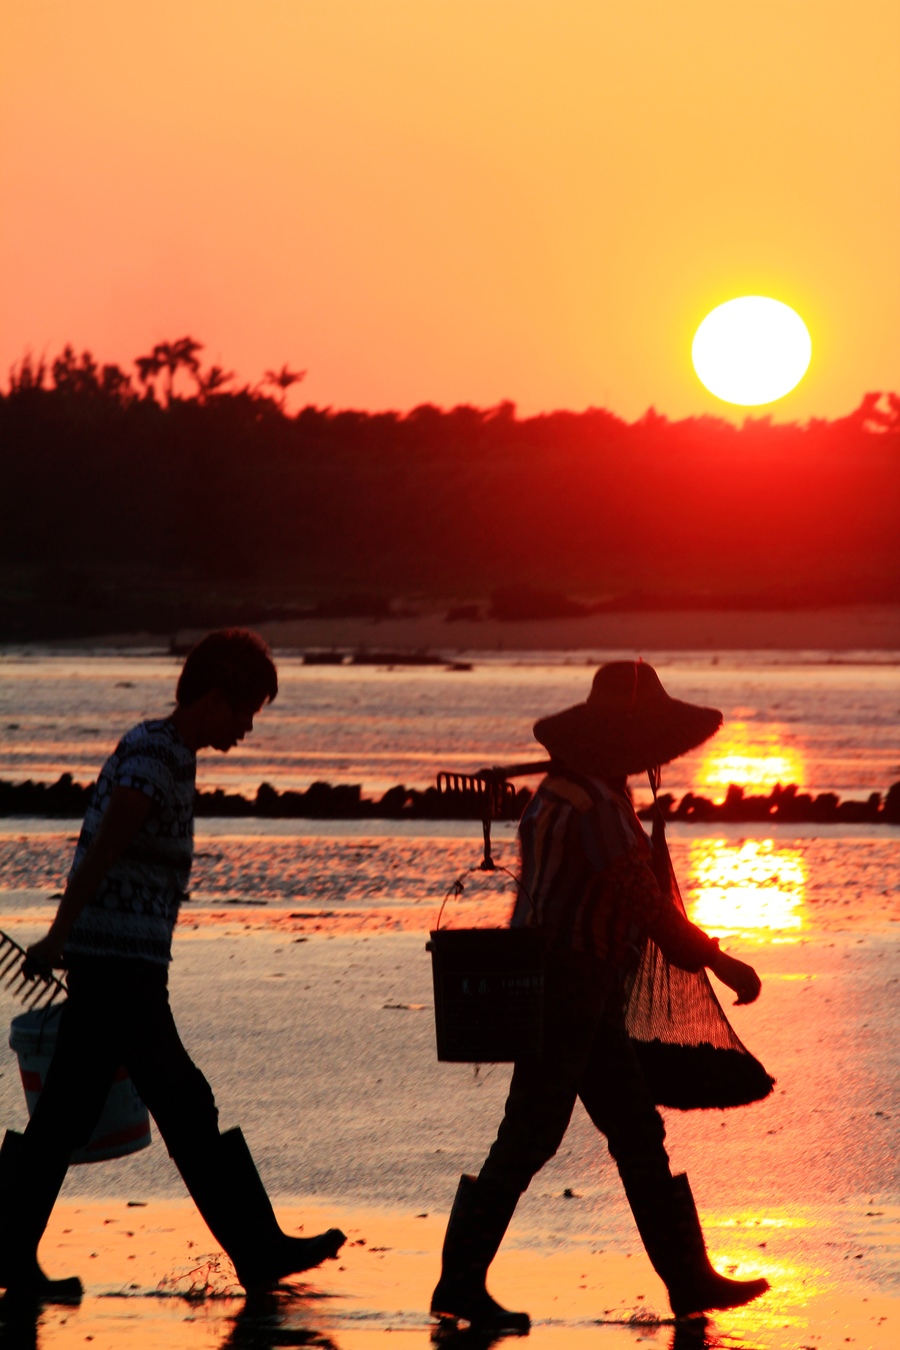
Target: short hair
(233,660)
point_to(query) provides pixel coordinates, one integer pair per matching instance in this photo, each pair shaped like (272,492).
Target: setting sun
(751,350)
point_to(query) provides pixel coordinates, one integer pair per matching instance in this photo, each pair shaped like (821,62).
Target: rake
(491,790)
(31,991)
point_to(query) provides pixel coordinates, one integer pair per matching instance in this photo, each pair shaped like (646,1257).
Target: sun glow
(751,350)
(753,889)
(755,759)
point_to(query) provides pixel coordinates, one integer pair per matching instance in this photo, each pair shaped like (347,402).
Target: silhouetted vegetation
(170,497)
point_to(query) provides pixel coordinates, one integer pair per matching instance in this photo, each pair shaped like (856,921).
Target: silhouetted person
(113,932)
(586,870)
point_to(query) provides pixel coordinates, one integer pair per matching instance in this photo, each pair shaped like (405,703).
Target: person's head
(628,724)
(225,680)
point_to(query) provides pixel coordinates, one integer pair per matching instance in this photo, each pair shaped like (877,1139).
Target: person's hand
(740,977)
(43,957)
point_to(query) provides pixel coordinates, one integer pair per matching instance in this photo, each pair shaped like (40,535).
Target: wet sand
(302,988)
(153,1277)
(307,1001)
(323,1051)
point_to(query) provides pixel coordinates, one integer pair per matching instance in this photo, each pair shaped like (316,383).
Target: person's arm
(740,977)
(681,942)
(127,810)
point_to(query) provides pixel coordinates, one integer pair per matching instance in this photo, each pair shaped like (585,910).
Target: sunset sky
(454,200)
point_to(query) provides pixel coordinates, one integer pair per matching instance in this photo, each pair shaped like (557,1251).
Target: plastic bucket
(124,1125)
(488,994)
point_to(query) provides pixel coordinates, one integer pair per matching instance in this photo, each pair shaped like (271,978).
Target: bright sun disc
(751,350)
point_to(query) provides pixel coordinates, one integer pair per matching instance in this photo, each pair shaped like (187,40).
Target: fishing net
(689,1052)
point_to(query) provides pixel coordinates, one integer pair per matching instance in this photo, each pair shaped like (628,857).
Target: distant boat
(386,658)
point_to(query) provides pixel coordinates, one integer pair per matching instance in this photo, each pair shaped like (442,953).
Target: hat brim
(617,744)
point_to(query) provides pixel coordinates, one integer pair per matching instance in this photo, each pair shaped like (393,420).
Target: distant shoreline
(856,628)
(844,629)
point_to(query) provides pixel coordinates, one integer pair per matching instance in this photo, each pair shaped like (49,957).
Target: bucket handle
(46,1011)
(458,886)
(492,786)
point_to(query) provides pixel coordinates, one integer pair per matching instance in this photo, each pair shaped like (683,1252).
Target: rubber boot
(697,1286)
(669,1226)
(478,1220)
(27,1196)
(229,1193)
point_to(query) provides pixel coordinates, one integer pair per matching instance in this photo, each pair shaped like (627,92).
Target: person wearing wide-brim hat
(588,883)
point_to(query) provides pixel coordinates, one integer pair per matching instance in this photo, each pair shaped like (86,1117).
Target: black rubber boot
(669,1226)
(478,1220)
(697,1287)
(229,1193)
(27,1196)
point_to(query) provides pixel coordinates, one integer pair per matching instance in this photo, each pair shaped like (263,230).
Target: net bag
(690,1055)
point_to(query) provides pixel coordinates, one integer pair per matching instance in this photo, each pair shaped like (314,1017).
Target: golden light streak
(756,759)
(754,890)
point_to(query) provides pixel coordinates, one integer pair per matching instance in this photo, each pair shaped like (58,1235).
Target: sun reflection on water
(742,1247)
(752,889)
(755,758)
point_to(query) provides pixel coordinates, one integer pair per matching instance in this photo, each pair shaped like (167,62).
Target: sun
(751,350)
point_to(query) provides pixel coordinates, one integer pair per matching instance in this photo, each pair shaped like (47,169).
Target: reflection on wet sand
(267,1320)
(152,1280)
(752,889)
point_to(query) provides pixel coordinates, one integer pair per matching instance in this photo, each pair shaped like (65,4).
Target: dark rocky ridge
(66,799)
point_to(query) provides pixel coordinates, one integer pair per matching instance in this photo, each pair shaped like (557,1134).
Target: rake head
(32,991)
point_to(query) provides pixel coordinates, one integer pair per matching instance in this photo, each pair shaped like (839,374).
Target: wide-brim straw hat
(628,724)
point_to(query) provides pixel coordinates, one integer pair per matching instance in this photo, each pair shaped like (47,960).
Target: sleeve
(605,838)
(146,765)
(623,858)
(679,940)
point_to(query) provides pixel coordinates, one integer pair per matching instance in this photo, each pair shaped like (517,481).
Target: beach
(323,1050)
(302,987)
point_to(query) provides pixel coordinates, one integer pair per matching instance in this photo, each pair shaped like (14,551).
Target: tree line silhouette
(172,495)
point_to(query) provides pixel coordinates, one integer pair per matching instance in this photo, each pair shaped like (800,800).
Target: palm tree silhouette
(148,367)
(173,355)
(169,357)
(212,382)
(283,379)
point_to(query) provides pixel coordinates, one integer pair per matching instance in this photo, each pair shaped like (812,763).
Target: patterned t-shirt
(587,878)
(134,909)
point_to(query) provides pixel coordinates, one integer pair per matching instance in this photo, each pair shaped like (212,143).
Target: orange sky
(454,200)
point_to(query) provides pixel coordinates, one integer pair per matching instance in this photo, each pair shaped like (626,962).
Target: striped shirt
(134,909)
(587,879)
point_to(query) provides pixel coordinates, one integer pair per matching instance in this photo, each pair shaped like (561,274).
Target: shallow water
(799,717)
(303,989)
(763,883)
